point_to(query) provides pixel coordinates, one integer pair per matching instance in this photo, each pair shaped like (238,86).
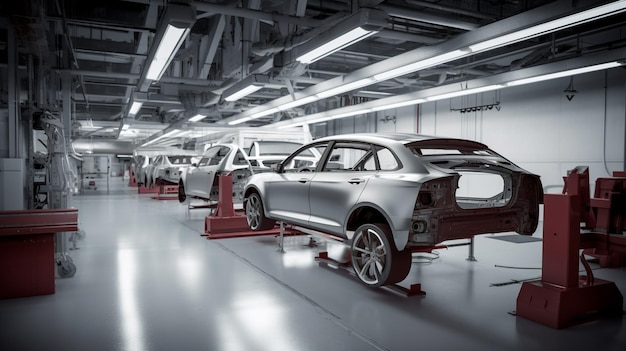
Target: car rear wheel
(255,214)
(181,193)
(375,260)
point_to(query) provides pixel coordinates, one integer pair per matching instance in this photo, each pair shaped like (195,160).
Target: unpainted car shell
(394,194)
(200,182)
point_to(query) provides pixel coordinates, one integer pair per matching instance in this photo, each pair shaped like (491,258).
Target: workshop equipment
(27,249)
(562,298)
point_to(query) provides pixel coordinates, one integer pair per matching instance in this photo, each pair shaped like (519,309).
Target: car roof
(404,138)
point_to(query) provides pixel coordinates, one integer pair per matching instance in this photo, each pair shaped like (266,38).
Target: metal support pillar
(14,93)
(470,256)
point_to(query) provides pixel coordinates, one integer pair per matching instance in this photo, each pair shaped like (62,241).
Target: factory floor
(148,280)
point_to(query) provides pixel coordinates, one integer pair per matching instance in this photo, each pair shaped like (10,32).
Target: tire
(255,215)
(375,260)
(182,197)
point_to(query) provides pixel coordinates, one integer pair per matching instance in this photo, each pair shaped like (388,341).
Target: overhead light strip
(134,108)
(171,41)
(571,72)
(345,40)
(595,13)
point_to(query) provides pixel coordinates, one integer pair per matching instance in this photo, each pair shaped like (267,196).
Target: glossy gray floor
(148,280)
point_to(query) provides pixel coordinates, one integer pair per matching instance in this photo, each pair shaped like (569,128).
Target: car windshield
(271,148)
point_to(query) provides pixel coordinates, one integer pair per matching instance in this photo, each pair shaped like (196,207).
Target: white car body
(199,180)
(166,169)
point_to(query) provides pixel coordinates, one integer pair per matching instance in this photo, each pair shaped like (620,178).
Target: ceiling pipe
(458,11)
(424,17)
(267,17)
(405,36)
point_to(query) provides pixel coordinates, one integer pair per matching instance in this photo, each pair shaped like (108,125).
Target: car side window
(306,159)
(346,157)
(386,159)
(204,161)
(219,156)
(240,159)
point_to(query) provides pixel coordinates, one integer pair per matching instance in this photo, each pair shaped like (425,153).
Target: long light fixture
(592,14)
(245,87)
(353,29)
(171,134)
(527,33)
(345,40)
(571,72)
(134,108)
(416,66)
(174,26)
(171,41)
(197,118)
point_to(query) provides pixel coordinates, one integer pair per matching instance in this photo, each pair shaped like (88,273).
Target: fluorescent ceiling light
(245,87)
(171,41)
(550,26)
(567,73)
(463,92)
(398,105)
(416,66)
(297,103)
(328,118)
(197,118)
(355,35)
(243,92)
(346,87)
(134,108)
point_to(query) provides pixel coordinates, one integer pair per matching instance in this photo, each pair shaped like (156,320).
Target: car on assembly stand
(141,162)
(201,180)
(166,169)
(385,194)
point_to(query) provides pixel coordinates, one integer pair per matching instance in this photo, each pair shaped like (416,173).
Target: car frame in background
(201,180)
(265,153)
(384,194)
(166,169)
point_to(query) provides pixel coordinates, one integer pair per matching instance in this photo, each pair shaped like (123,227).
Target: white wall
(541,131)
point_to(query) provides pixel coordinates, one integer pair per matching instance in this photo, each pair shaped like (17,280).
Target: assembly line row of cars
(382,194)
(197,175)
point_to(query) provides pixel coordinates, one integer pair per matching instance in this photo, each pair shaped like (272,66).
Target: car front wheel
(255,214)
(181,193)
(375,260)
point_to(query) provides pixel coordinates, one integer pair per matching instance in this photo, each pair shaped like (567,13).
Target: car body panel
(407,181)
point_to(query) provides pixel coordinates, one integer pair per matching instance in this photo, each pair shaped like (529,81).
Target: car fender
(395,198)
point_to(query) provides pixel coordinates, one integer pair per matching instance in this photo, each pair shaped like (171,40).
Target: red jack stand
(224,219)
(561,298)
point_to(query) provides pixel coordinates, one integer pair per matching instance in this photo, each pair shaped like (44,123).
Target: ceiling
(103,46)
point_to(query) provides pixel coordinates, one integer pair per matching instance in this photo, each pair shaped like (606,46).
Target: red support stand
(225,222)
(561,298)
